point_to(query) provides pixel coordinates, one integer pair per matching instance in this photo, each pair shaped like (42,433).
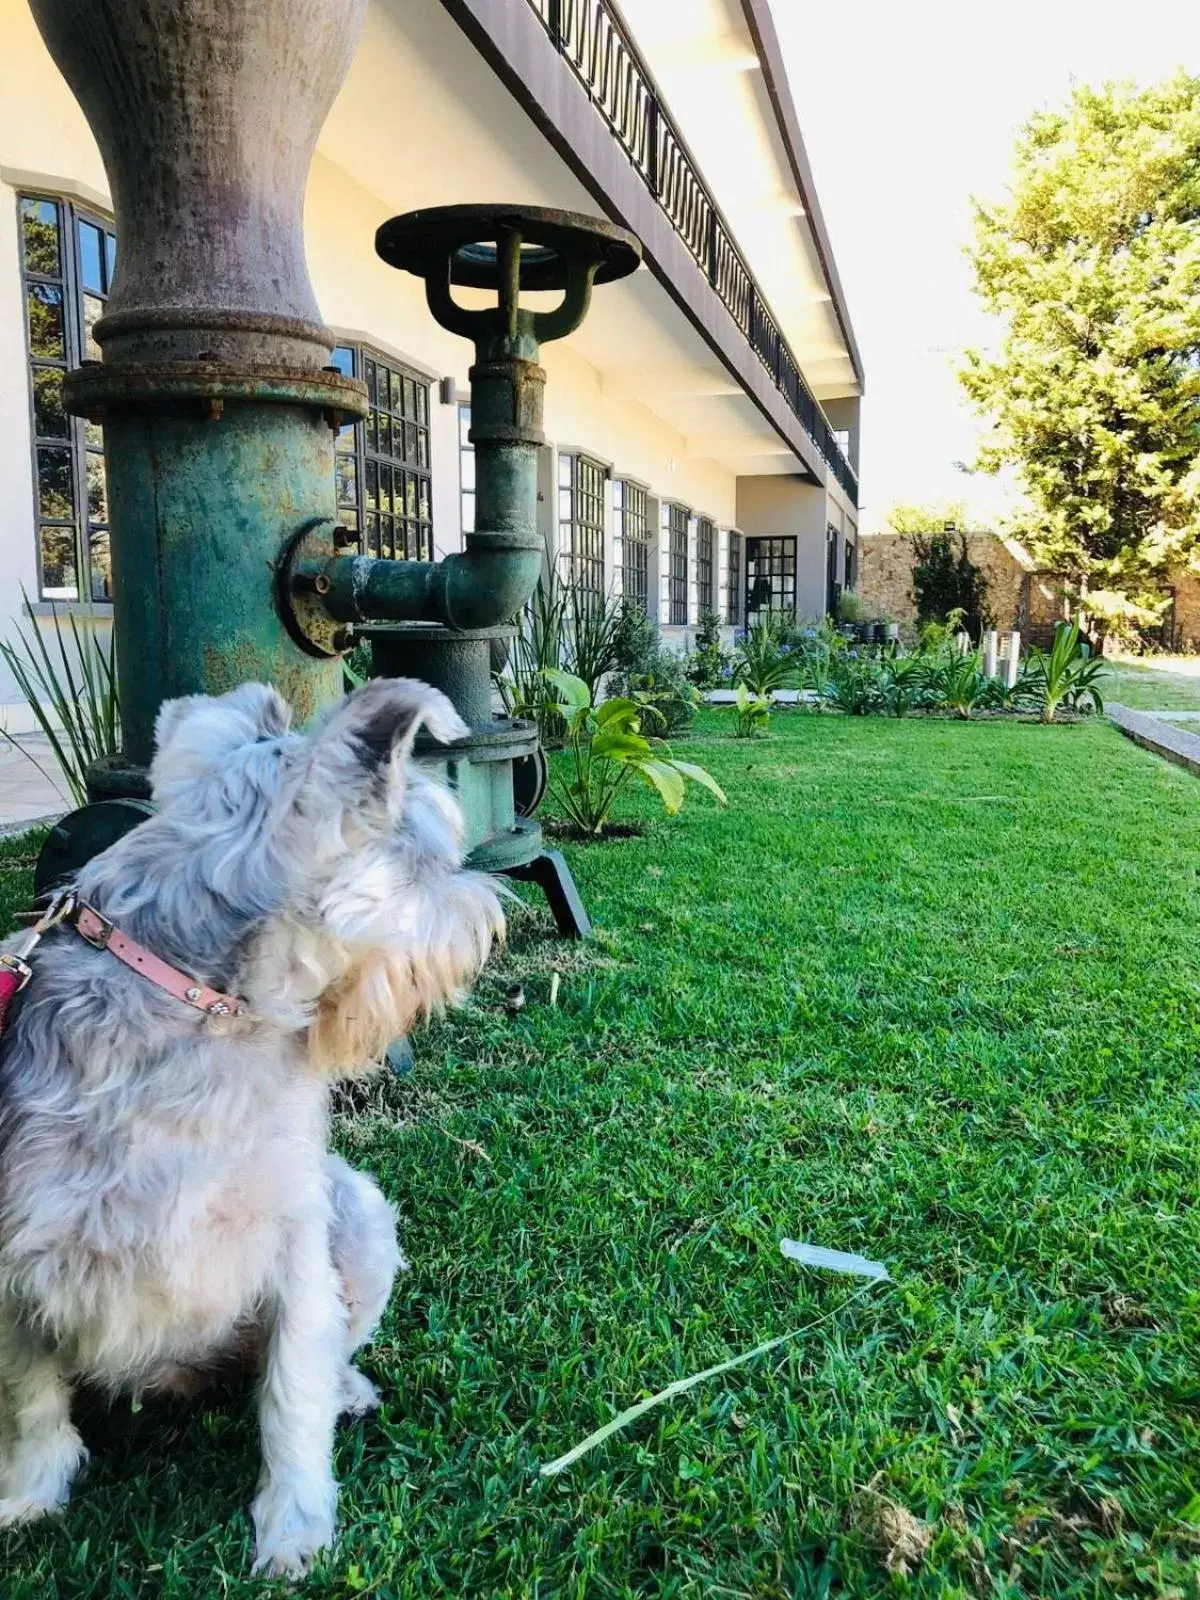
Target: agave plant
(1066,674)
(72,692)
(763,662)
(904,683)
(964,685)
(604,748)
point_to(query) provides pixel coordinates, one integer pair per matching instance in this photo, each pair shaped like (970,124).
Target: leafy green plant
(752,713)
(763,662)
(538,645)
(604,747)
(904,683)
(636,640)
(660,681)
(854,685)
(710,664)
(852,608)
(71,690)
(356,665)
(963,685)
(590,641)
(1067,674)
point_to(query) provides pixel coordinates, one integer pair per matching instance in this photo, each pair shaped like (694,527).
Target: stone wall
(1018,596)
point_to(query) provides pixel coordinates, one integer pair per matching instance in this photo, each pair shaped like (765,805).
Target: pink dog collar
(99,932)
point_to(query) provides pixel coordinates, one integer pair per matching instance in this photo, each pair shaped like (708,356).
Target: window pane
(385,434)
(422,448)
(343,359)
(39,225)
(464,425)
(58,563)
(410,443)
(385,488)
(423,405)
(56,496)
(410,398)
(565,473)
(91,258)
(373,535)
(468,513)
(468,470)
(372,481)
(50,421)
(410,495)
(93,435)
(423,510)
(347,481)
(93,310)
(46,321)
(110,252)
(383,392)
(100,557)
(97,488)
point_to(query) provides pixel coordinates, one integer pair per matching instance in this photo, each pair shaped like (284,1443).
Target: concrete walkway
(1158,731)
(28,795)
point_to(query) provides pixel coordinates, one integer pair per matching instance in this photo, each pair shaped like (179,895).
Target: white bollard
(962,642)
(991,645)
(1013,664)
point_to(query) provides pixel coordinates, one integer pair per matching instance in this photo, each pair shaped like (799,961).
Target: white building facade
(702,425)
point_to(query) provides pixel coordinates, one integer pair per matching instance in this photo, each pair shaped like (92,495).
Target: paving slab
(1151,730)
(31,791)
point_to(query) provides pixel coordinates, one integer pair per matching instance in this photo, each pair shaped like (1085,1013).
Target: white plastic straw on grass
(682,1385)
(815,1255)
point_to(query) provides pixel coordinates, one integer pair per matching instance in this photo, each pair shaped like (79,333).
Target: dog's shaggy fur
(167,1197)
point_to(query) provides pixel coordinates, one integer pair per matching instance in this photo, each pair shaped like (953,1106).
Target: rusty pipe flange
(420,241)
(92,389)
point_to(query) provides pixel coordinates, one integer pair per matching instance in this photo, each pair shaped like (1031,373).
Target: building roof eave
(770,54)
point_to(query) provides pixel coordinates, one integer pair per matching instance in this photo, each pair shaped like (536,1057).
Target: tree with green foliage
(1093,265)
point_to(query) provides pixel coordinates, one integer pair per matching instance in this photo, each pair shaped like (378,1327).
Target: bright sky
(908,110)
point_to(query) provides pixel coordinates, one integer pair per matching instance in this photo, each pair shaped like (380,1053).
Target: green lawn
(929,991)
(1154,687)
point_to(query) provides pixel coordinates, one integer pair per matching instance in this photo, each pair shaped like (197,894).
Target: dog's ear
(377,725)
(195,735)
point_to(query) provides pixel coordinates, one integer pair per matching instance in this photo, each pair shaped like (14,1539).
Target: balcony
(591,38)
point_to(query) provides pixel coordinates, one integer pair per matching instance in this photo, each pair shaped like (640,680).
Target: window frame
(366,456)
(83,441)
(777,555)
(706,565)
(582,498)
(678,519)
(734,574)
(635,572)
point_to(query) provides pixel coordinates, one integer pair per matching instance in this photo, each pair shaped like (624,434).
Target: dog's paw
(292,1525)
(16,1509)
(359,1396)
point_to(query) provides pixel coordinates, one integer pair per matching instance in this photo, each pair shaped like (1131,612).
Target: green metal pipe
(199,511)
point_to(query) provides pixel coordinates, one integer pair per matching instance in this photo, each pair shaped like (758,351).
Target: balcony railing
(591,37)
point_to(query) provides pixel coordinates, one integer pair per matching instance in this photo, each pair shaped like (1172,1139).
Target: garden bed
(925,992)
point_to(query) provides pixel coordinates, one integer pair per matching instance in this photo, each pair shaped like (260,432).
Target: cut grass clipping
(926,991)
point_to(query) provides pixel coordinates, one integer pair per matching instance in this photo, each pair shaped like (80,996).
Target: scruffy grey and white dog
(167,1195)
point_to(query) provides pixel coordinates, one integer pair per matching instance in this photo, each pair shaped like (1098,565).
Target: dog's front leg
(297,1499)
(44,1452)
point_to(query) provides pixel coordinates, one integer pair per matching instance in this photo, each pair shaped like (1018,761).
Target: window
(581,520)
(851,564)
(384,495)
(833,589)
(735,580)
(466,470)
(629,507)
(676,520)
(67,263)
(770,577)
(705,590)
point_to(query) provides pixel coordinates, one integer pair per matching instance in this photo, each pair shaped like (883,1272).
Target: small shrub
(661,682)
(604,747)
(963,685)
(709,666)
(752,714)
(854,685)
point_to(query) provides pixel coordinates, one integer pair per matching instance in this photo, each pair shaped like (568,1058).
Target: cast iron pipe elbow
(483,587)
